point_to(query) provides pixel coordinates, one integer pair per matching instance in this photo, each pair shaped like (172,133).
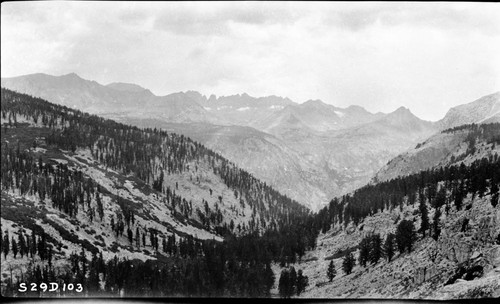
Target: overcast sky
(424,56)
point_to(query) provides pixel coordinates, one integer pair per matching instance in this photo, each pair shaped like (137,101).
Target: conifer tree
(405,235)
(164,244)
(49,256)
(269,279)
(33,243)
(83,260)
(137,238)
(6,244)
(42,246)
(389,246)
(424,213)
(331,272)
(459,195)
(375,248)
(435,224)
(14,247)
(431,191)
(284,284)
(302,282)
(348,263)
(440,199)
(100,207)
(364,251)
(130,236)
(494,194)
(93,282)
(293,280)
(22,245)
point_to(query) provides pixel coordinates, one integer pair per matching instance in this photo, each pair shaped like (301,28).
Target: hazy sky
(425,56)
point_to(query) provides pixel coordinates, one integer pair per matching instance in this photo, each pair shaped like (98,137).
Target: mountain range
(311,151)
(74,182)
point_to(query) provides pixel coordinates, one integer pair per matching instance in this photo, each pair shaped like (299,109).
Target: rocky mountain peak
(314,104)
(212,98)
(402,114)
(402,111)
(126,87)
(72,75)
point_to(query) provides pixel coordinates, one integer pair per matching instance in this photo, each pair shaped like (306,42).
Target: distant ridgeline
(280,230)
(457,181)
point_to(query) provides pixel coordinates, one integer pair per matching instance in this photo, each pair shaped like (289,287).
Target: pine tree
(269,278)
(425,216)
(405,235)
(49,256)
(83,260)
(302,282)
(284,284)
(164,244)
(6,244)
(440,199)
(364,251)
(435,224)
(431,191)
(33,243)
(22,245)
(93,282)
(331,272)
(459,195)
(348,263)
(375,248)
(14,247)
(130,236)
(389,246)
(137,238)
(494,194)
(42,246)
(100,207)
(293,280)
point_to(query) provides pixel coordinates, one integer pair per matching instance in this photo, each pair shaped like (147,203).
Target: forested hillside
(112,197)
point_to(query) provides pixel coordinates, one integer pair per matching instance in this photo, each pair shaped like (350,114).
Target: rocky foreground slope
(442,269)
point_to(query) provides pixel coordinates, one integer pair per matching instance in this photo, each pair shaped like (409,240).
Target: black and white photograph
(250,149)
